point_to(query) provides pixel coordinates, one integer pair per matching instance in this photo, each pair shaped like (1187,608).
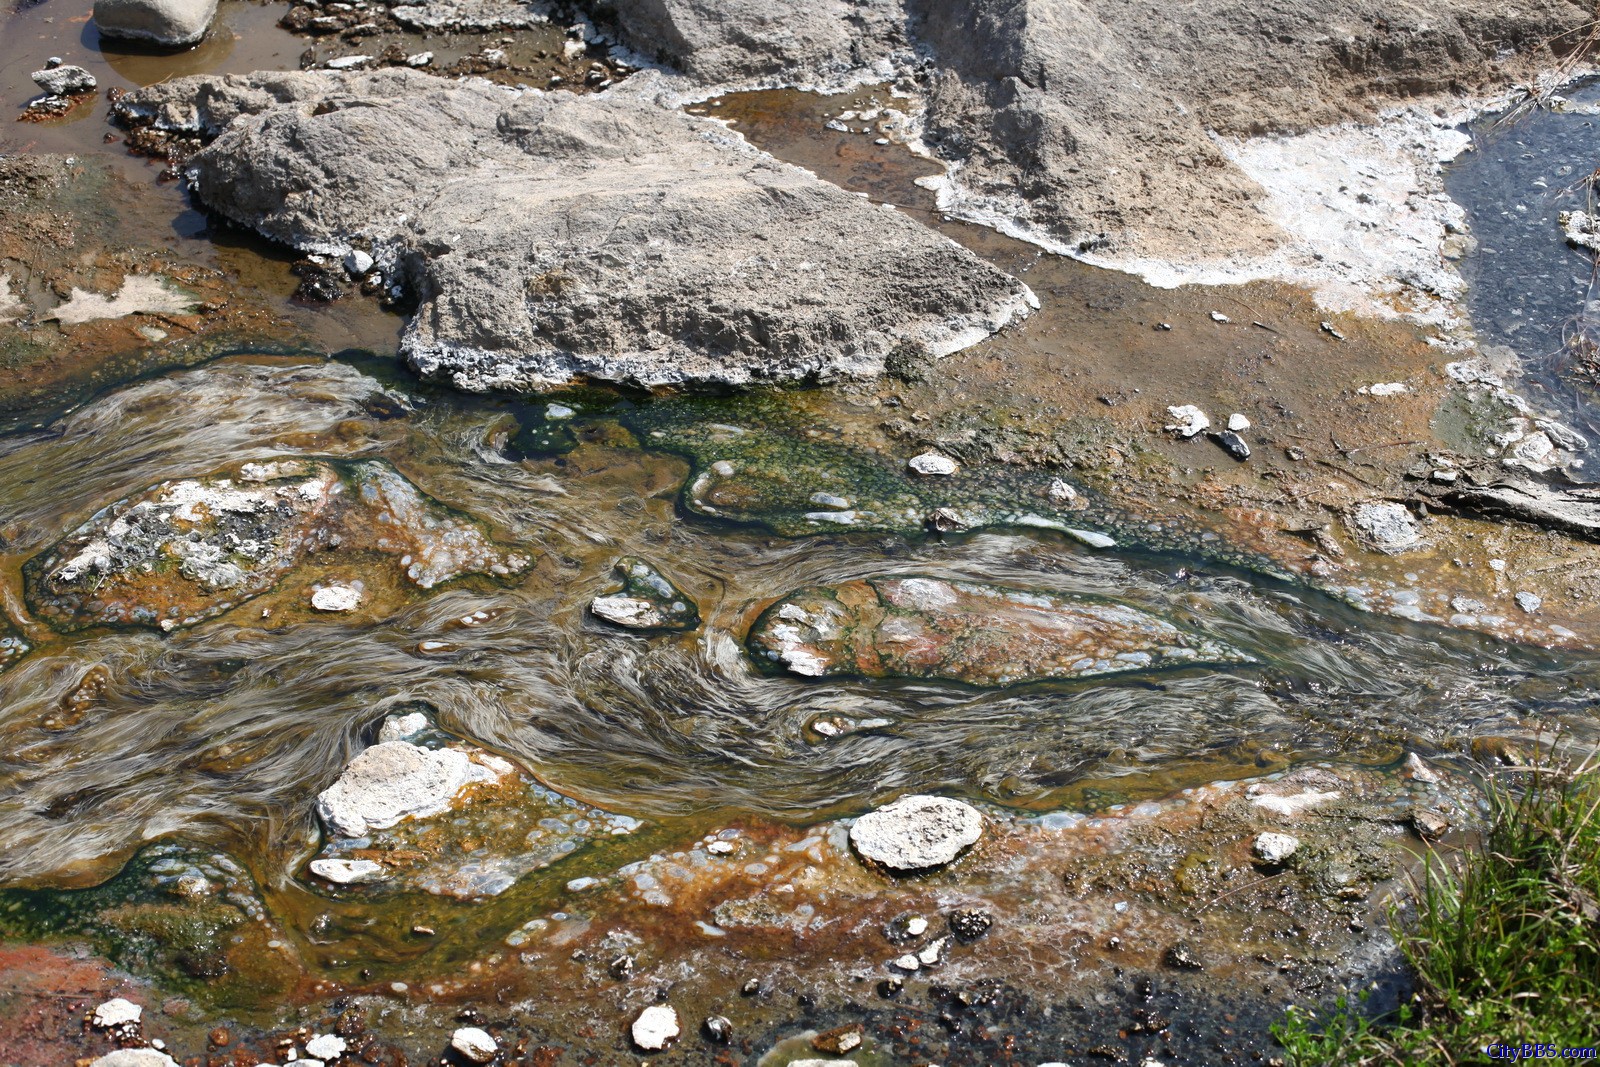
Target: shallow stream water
(225,733)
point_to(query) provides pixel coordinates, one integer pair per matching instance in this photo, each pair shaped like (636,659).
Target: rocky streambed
(529,538)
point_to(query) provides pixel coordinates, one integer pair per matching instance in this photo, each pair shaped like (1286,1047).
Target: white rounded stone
(336,598)
(655,1027)
(347,872)
(475,1044)
(931,464)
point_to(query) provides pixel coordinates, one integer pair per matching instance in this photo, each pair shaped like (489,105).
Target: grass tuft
(1504,944)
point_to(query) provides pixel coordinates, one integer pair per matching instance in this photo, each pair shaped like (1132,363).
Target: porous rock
(174,23)
(549,237)
(424,810)
(1386,526)
(970,632)
(64,80)
(655,1028)
(916,832)
(1274,848)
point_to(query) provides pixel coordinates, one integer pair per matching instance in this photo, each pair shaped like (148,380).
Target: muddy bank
(87,299)
(1153,909)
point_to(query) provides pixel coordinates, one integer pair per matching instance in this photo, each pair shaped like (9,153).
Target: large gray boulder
(1093,121)
(549,236)
(174,23)
(1091,124)
(741,42)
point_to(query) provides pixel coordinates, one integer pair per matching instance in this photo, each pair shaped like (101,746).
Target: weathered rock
(135,1057)
(655,1028)
(397,780)
(722,42)
(64,80)
(647,601)
(1582,229)
(932,464)
(916,832)
(431,812)
(475,1044)
(1386,526)
(190,549)
(166,22)
(1273,848)
(987,635)
(336,598)
(1552,503)
(1232,444)
(116,1012)
(1187,420)
(969,924)
(839,1040)
(549,237)
(326,1047)
(1033,103)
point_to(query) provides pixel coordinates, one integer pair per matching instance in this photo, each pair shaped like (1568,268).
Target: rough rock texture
(64,80)
(190,549)
(1090,114)
(166,22)
(719,42)
(655,1028)
(1550,503)
(436,814)
(1116,127)
(475,1044)
(917,627)
(135,1057)
(647,600)
(916,832)
(397,780)
(549,237)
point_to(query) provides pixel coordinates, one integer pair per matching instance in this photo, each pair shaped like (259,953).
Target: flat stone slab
(985,635)
(916,832)
(550,237)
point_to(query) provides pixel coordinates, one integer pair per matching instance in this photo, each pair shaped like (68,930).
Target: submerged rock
(190,549)
(438,814)
(987,635)
(647,601)
(517,219)
(916,832)
(166,22)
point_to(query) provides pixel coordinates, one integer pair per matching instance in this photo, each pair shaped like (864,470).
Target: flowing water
(225,733)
